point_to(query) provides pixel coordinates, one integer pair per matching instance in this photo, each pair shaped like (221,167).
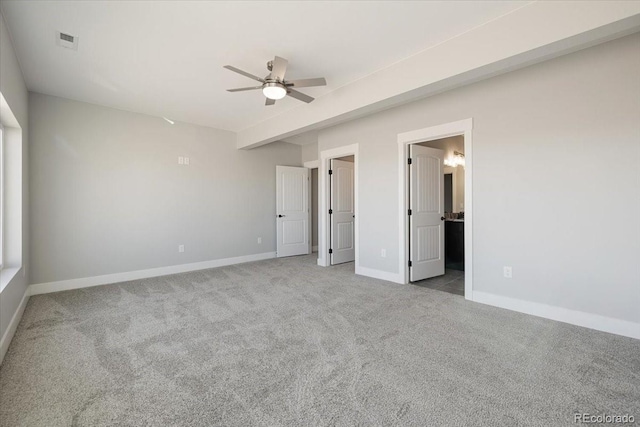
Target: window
(10,195)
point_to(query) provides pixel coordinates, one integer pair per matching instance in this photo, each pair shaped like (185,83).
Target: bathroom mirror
(453,176)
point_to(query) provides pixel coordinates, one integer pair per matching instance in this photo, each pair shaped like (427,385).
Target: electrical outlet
(181,248)
(259,240)
(186,161)
(383,253)
(508,272)
(180,160)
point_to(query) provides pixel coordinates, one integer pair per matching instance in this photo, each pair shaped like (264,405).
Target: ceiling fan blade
(299,95)
(320,81)
(241,89)
(278,68)
(270,101)
(244,73)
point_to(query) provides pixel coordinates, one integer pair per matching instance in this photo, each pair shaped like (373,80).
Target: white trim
(13,325)
(379,274)
(312,164)
(560,314)
(323,191)
(309,214)
(462,127)
(85,282)
(7,275)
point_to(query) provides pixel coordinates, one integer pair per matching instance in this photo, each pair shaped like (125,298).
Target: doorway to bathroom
(445,232)
(435,193)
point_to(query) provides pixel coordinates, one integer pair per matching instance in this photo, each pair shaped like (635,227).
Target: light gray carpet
(286,343)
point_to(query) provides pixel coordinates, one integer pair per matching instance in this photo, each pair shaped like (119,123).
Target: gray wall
(15,93)
(556,145)
(310,152)
(108,194)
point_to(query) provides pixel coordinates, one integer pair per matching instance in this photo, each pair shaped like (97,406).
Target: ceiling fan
(274,86)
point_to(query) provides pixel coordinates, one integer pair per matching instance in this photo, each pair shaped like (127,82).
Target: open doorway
(338,230)
(435,202)
(314,211)
(437,190)
(313,167)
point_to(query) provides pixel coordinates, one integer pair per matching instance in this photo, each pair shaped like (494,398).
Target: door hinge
(409,161)
(330,211)
(330,172)
(409,212)
(409,263)
(330,251)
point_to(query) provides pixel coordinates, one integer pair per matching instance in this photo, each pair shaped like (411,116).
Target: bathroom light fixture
(274,90)
(456,160)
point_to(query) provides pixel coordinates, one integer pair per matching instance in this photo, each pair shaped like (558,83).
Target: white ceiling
(166,58)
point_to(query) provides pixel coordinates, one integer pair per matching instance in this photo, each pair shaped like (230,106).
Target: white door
(341,212)
(292,211)
(426,215)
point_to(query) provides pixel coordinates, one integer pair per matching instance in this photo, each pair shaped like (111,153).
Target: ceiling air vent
(66,40)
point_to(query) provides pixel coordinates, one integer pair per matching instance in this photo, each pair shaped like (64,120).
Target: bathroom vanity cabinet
(454,244)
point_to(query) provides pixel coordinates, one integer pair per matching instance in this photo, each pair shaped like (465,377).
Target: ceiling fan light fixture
(274,90)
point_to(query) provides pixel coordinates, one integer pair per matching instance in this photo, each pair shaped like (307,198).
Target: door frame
(313,164)
(462,127)
(324,238)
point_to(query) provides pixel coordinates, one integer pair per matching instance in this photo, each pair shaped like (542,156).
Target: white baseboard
(13,325)
(85,282)
(379,274)
(574,317)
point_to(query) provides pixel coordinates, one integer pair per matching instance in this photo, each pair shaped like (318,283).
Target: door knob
(281,216)
(441,218)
